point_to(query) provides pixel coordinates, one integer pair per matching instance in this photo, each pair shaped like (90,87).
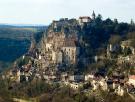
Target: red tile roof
(132,77)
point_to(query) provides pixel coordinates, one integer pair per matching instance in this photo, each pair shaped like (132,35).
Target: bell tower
(93,15)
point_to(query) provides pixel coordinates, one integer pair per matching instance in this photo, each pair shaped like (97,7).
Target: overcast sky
(44,11)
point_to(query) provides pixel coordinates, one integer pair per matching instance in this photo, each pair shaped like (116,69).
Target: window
(72,51)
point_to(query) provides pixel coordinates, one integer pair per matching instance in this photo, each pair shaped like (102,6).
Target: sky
(44,11)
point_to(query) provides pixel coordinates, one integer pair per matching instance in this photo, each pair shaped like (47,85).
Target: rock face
(60,44)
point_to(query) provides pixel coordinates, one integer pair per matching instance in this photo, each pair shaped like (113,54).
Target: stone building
(48,46)
(67,54)
(61,46)
(76,78)
(128,44)
(132,80)
(71,51)
(57,57)
(84,19)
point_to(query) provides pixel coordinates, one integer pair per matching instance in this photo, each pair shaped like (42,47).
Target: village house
(132,80)
(76,78)
(88,77)
(103,84)
(112,48)
(120,90)
(128,44)
(49,77)
(130,89)
(64,77)
(95,84)
(76,86)
(19,76)
(99,83)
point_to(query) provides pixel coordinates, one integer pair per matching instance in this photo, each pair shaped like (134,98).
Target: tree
(45,98)
(98,19)
(131,35)
(115,39)
(24,61)
(127,51)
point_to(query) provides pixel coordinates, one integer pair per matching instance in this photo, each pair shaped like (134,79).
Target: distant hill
(22,25)
(10,49)
(19,32)
(15,40)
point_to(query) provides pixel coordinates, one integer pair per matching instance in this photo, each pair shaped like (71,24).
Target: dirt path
(21,100)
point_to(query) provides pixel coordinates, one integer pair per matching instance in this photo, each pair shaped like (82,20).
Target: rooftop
(70,43)
(84,17)
(132,77)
